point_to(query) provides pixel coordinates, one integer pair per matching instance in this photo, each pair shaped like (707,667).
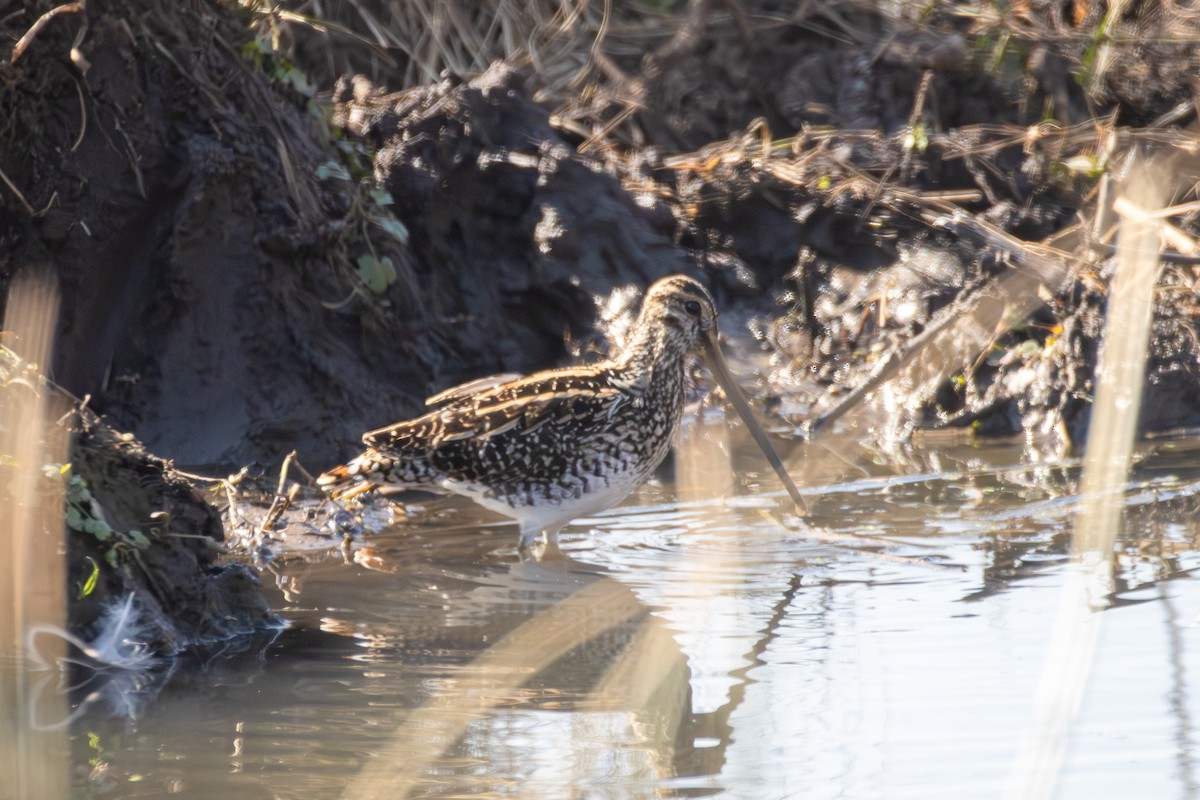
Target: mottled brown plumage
(560,444)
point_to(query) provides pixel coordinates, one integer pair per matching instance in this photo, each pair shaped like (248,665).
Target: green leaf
(75,519)
(89,585)
(376,274)
(395,227)
(98,529)
(288,75)
(138,539)
(332,169)
(382,197)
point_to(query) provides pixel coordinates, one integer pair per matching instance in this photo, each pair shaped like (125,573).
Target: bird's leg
(539,544)
(529,535)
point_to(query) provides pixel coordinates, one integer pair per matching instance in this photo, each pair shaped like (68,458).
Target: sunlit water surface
(714,652)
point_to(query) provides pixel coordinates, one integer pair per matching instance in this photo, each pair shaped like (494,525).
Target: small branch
(16,191)
(26,40)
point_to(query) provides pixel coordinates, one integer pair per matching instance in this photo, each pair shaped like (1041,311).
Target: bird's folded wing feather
(476,386)
(523,405)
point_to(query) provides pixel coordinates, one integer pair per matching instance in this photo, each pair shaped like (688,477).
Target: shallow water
(698,648)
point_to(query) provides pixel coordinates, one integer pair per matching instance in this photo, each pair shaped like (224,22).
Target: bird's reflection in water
(530,639)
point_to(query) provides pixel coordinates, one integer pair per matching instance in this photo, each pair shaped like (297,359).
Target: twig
(1041,265)
(26,40)
(16,191)
(856,542)
(82,118)
(134,158)
(283,471)
(914,119)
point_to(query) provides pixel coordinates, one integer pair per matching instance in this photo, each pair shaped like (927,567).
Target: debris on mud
(152,536)
(511,227)
(923,159)
(145,572)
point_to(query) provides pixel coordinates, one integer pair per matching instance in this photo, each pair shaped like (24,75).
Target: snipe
(564,443)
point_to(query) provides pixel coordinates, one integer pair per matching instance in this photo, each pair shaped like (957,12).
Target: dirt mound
(512,229)
(235,289)
(167,560)
(238,289)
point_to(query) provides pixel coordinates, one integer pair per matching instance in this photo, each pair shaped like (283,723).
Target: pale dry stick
(1174,237)
(1112,433)
(82,117)
(20,196)
(959,332)
(1103,56)
(494,677)
(285,495)
(32,571)
(283,499)
(26,40)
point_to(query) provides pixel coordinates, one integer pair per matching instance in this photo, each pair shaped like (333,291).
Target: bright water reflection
(694,649)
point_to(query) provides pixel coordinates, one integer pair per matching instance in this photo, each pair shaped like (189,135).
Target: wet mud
(159,542)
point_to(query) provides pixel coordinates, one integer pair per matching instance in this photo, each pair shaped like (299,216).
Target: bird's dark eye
(692,308)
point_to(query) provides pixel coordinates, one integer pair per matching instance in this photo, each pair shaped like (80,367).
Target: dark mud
(215,303)
(162,546)
(178,175)
(513,231)
(212,298)
(145,573)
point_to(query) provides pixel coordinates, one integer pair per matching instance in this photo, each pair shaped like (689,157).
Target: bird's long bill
(720,370)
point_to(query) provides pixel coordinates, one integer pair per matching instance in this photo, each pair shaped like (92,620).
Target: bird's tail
(362,473)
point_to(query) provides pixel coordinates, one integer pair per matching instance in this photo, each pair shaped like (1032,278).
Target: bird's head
(688,315)
(684,308)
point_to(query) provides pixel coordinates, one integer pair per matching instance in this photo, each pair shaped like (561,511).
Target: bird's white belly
(552,512)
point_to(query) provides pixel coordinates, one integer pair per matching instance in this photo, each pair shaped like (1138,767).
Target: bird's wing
(476,386)
(557,397)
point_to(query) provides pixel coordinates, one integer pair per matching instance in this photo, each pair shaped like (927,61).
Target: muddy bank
(238,286)
(156,165)
(512,230)
(138,528)
(145,574)
(233,288)
(890,174)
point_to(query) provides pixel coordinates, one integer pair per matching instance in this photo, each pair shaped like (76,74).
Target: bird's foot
(539,546)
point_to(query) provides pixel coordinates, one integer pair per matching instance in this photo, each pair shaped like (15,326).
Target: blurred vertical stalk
(32,569)
(703,467)
(493,679)
(1120,377)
